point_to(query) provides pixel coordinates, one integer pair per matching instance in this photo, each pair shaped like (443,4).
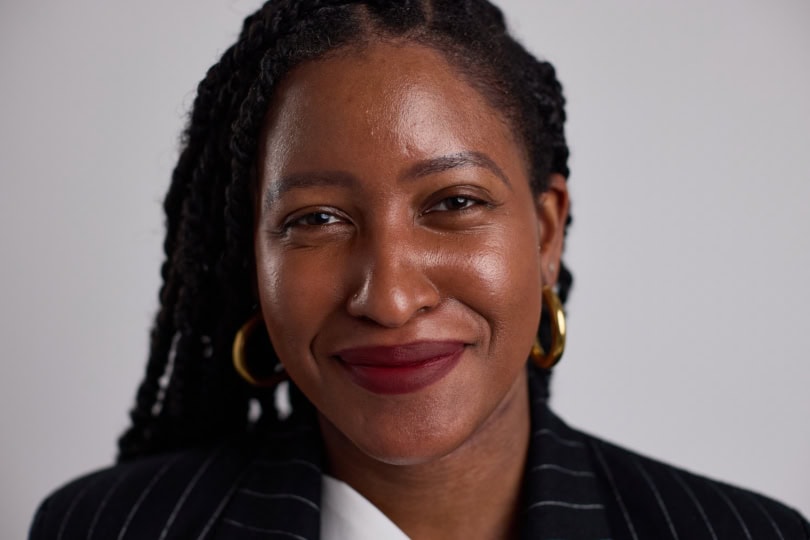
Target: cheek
(294,297)
(501,281)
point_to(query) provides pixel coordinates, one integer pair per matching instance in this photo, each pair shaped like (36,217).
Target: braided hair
(190,393)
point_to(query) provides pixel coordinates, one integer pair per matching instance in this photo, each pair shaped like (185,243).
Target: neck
(472,492)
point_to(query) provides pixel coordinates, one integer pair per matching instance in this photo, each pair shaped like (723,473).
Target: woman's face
(398,250)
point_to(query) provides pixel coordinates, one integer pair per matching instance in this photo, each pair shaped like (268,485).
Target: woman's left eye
(454,203)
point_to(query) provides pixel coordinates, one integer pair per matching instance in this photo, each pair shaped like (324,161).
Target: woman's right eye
(316,218)
(313,219)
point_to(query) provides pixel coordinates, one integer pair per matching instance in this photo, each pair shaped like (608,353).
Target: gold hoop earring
(541,358)
(243,344)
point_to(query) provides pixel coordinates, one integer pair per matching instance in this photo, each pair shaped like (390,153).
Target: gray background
(689,126)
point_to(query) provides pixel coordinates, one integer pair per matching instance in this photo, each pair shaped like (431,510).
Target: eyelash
(467,202)
(302,220)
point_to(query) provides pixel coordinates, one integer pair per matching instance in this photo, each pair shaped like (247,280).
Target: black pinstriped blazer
(576,487)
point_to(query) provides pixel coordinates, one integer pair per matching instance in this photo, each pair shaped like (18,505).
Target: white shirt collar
(347,515)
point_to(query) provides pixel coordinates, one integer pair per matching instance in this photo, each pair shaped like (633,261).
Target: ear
(552,214)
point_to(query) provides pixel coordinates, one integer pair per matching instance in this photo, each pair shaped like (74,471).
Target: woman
(379,188)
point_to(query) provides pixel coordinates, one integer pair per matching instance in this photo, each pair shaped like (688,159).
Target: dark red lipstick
(400,369)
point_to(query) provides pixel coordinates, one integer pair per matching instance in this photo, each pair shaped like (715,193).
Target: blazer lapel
(279,493)
(562,494)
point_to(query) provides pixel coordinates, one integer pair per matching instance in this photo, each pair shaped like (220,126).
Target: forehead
(383,100)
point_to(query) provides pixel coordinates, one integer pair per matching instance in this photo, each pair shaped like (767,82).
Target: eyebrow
(453,161)
(305,180)
(418,170)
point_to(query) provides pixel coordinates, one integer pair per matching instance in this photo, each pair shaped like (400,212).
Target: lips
(400,369)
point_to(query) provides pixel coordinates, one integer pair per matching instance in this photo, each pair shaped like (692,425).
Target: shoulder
(185,494)
(140,498)
(650,499)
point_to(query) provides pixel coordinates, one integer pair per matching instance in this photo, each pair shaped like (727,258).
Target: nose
(394,283)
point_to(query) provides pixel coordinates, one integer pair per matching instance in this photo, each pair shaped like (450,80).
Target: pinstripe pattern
(616,495)
(562,491)
(576,488)
(144,494)
(563,470)
(289,463)
(289,496)
(696,507)
(776,528)
(558,438)
(280,494)
(691,495)
(734,511)
(186,492)
(568,505)
(268,532)
(63,524)
(658,499)
(103,504)
(215,515)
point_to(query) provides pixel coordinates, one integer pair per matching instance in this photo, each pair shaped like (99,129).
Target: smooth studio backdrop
(689,125)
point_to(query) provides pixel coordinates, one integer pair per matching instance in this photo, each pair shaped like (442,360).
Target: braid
(546,91)
(190,393)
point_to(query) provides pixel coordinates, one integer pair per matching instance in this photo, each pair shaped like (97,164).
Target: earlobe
(552,214)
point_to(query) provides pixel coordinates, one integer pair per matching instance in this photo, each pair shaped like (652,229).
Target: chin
(410,451)
(403,436)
